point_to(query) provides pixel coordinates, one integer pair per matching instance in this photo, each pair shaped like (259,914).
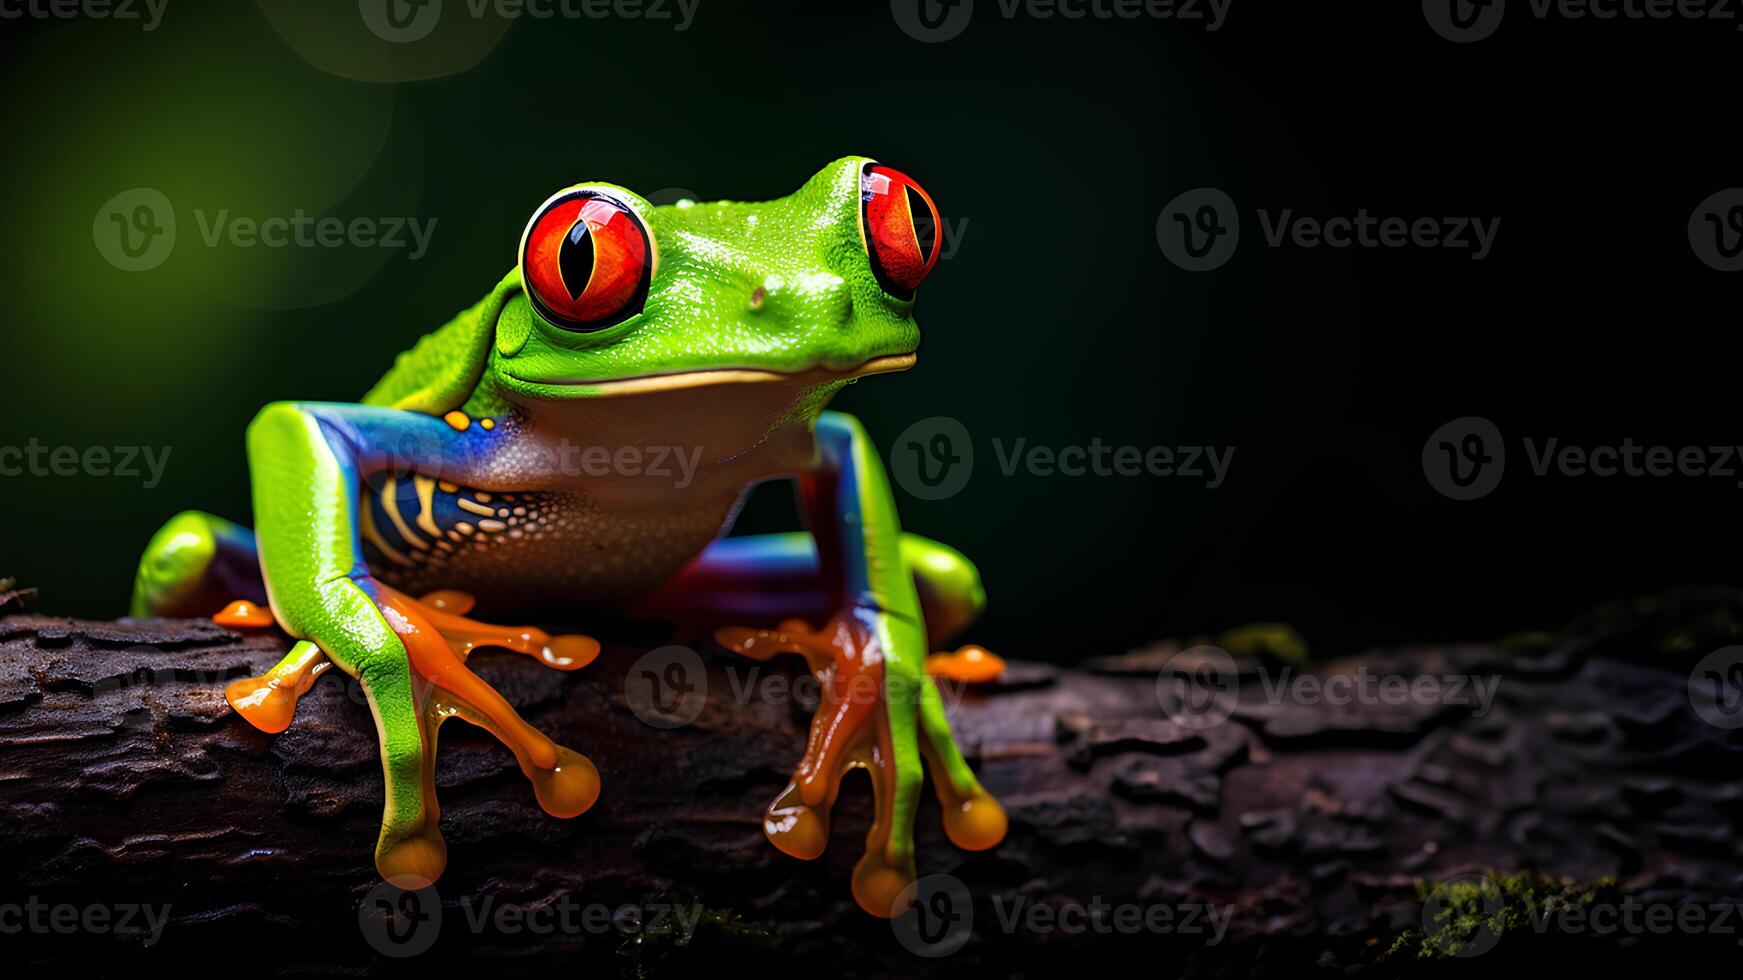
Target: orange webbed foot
(438,641)
(851,730)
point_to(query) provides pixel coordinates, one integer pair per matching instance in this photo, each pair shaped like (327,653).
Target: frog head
(613,295)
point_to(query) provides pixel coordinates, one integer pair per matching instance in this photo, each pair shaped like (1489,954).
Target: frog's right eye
(899,225)
(586,261)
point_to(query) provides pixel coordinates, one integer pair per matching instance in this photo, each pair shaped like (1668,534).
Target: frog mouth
(680,380)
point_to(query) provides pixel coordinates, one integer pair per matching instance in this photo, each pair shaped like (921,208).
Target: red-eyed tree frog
(506,460)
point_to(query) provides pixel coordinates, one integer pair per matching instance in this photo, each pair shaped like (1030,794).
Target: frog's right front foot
(412,688)
(873,714)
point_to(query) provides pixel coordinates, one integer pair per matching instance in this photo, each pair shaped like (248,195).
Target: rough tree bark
(124,778)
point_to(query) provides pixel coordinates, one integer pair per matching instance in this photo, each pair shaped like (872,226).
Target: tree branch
(1305,826)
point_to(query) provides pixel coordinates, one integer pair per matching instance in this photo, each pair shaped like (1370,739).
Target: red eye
(900,225)
(586,261)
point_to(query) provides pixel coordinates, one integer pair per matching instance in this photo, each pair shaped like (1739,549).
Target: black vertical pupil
(925,230)
(575,259)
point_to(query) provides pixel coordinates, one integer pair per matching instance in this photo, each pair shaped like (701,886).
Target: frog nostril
(815,301)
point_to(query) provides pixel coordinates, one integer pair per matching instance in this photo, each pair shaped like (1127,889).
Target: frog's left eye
(586,261)
(900,226)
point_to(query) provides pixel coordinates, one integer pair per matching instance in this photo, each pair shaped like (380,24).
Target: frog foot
(438,639)
(870,717)
(969,664)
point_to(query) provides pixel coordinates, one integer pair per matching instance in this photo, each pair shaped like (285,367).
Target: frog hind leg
(194,565)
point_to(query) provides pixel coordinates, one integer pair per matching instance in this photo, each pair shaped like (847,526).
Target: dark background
(1059,319)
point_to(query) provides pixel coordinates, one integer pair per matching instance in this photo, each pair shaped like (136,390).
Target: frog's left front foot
(437,639)
(882,719)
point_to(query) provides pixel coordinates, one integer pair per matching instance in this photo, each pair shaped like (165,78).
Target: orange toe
(243,614)
(976,823)
(970,665)
(878,886)
(413,862)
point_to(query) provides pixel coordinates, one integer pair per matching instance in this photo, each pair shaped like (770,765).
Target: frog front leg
(306,463)
(879,709)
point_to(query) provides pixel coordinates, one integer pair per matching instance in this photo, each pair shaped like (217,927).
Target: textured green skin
(822,307)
